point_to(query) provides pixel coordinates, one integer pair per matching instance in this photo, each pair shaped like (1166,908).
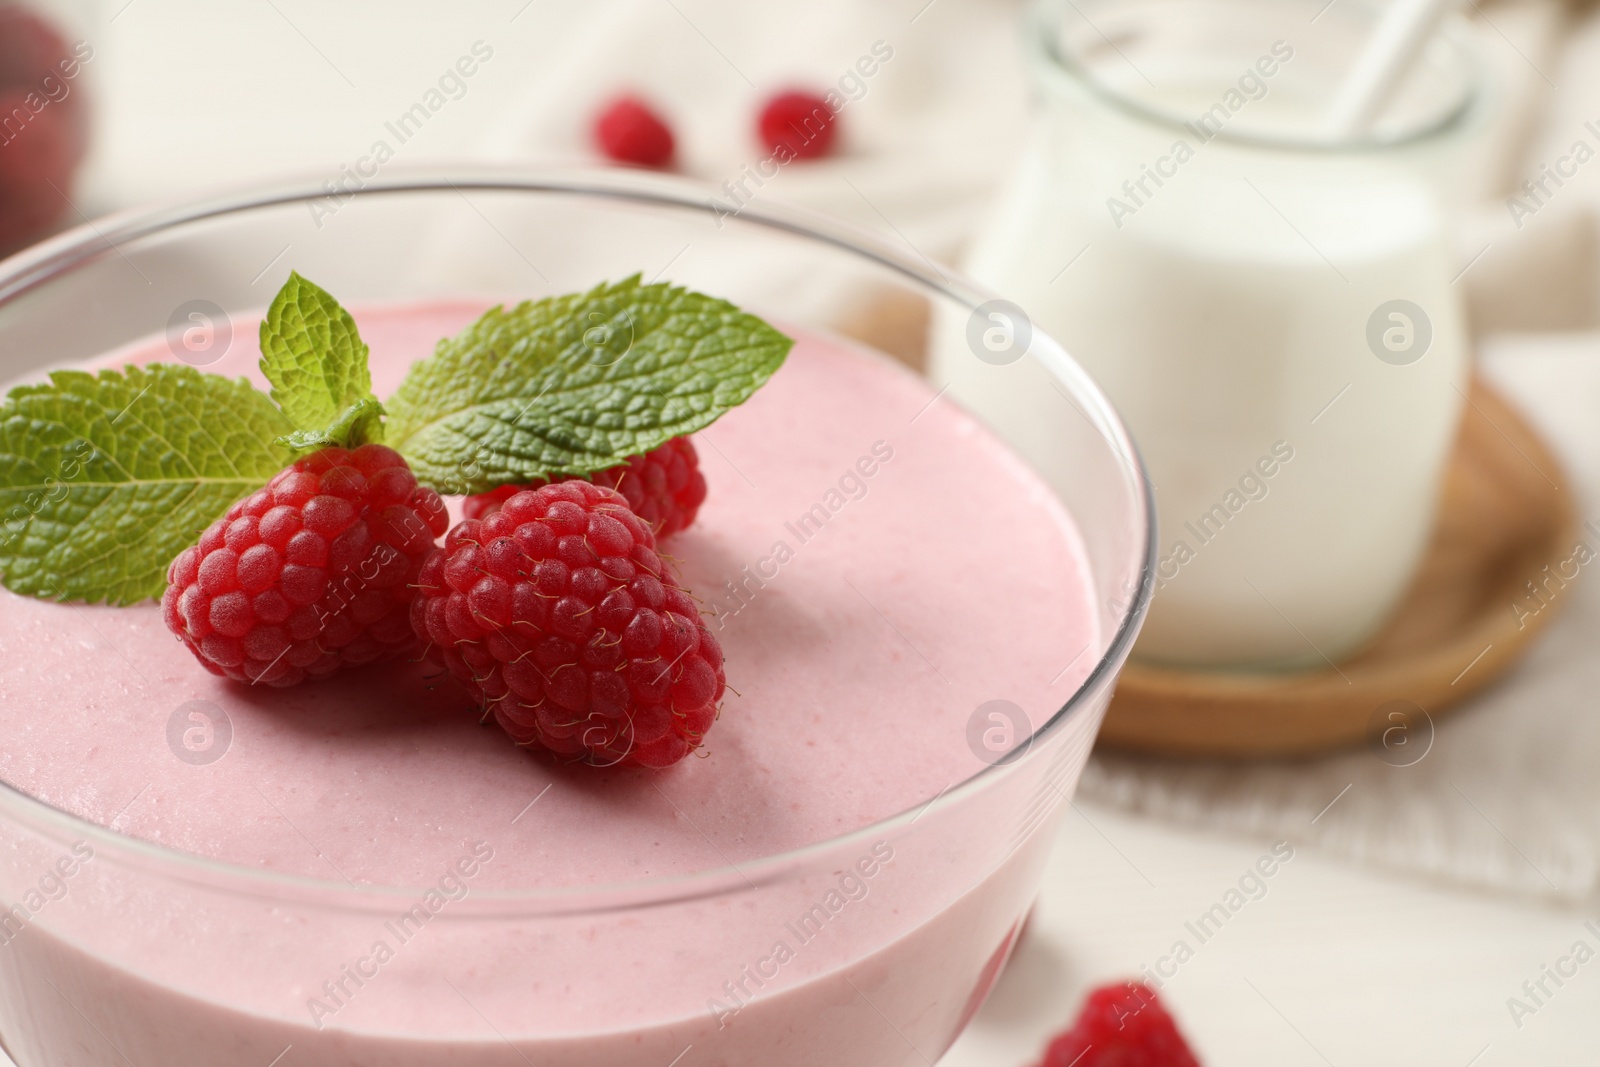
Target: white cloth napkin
(925,137)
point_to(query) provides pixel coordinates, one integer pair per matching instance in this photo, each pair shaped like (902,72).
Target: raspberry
(1121,1025)
(628,131)
(42,144)
(558,615)
(29,47)
(664,487)
(314,572)
(802,123)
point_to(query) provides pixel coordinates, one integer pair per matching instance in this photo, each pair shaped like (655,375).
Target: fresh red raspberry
(664,487)
(314,572)
(800,122)
(558,615)
(1121,1025)
(45,129)
(30,47)
(628,131)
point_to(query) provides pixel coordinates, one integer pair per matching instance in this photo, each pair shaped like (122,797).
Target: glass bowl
(121,950)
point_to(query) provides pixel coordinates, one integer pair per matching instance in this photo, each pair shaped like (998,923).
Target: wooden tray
(1504,516)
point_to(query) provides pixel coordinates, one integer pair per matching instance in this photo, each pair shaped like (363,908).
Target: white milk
(1227,317)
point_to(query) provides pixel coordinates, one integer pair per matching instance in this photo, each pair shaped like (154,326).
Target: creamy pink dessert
(878,565)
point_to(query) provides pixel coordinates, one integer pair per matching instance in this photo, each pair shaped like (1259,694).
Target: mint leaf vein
(104,478)
(315,359)
(574,384)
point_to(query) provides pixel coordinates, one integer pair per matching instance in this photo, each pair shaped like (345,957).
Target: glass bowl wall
(103,975)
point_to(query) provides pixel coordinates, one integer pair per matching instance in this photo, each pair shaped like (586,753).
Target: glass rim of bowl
(95,240)
(1057,71)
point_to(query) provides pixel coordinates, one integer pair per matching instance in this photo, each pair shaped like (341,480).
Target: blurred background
(1429,895)
(193,97)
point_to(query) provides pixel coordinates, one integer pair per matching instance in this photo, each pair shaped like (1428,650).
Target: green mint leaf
(355,426)
(314,357)
(105,477)
(574,384)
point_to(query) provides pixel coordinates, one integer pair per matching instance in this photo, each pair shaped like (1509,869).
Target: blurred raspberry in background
(43,125)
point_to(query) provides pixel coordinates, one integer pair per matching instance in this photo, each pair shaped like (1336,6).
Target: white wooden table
(1334,965)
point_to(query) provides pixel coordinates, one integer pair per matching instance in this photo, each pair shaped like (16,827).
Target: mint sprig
(105,478)
(575,384)
(315,359)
